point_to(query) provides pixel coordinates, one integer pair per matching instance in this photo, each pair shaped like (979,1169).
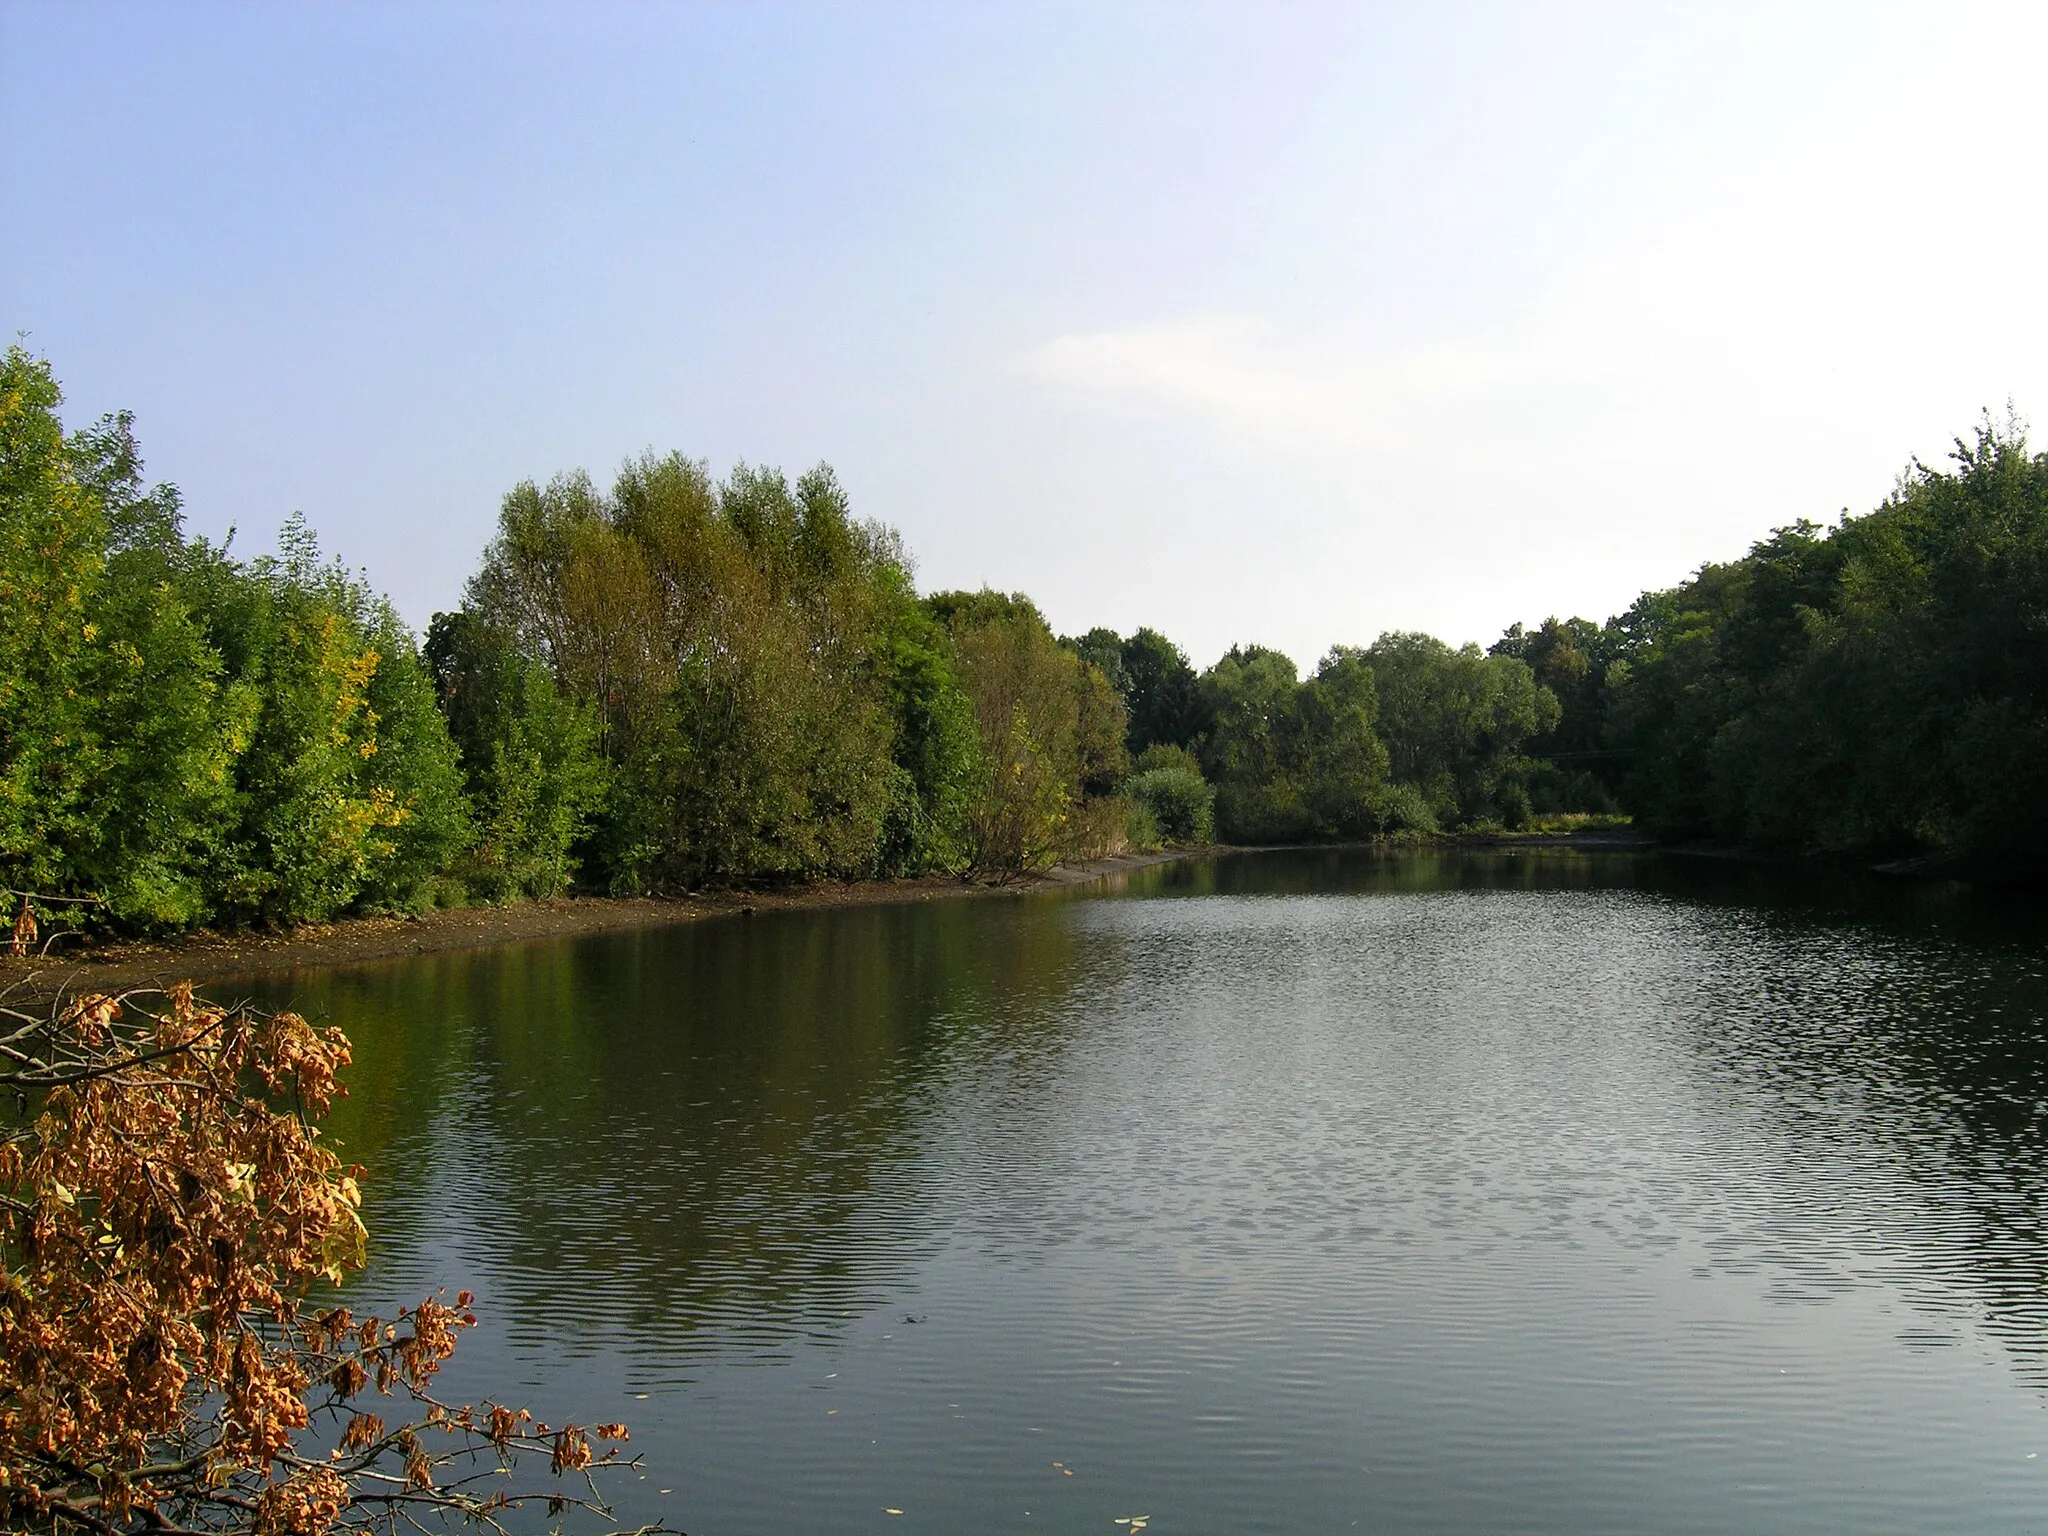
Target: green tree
(52,557)
(937,745)
(1575,765)
(1294,761)
(115,739)
(1163,694)
(1167,785)
(1342,761)
(346,788)
(1249,698)
(1875,689)
(1454,721)
(1104,649)
(530,761)
(186,737)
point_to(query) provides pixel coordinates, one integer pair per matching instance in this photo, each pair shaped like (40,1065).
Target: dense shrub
(1179,801)
(1403,811)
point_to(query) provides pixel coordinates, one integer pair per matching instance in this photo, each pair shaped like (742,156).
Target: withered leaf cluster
(172,1352)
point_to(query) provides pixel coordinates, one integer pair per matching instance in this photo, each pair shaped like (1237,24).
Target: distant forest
(677,681)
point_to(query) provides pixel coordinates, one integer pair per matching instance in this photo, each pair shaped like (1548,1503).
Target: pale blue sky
(1275,323)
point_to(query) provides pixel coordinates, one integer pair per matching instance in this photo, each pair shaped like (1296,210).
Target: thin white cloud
(1826,313)
(1236,372)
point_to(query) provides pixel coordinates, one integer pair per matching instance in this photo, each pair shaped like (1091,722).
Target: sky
(1266,323)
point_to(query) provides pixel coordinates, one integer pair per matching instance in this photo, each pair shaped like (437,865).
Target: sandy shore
(208,957)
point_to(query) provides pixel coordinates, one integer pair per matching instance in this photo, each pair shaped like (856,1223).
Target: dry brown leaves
(166,1214)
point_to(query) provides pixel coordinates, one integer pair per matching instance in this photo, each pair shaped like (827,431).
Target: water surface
(1278,1193)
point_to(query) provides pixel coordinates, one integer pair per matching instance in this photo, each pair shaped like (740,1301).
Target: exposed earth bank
(208,958)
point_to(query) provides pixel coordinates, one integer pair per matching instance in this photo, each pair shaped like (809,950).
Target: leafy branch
(167,1216)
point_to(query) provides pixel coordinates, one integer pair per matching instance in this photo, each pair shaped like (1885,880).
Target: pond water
(1274,1193)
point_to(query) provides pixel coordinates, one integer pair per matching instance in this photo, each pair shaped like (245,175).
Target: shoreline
(205,957)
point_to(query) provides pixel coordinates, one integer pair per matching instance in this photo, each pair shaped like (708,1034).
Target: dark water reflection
(1272,1193)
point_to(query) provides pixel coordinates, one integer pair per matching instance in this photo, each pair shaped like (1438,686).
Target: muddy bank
(208,958)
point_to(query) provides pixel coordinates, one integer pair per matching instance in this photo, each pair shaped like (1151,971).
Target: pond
(1544,1192)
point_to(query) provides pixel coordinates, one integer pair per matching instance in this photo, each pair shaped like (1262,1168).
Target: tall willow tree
(765,693)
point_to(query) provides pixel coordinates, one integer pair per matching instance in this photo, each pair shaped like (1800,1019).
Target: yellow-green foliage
(1051,729)
(183,737)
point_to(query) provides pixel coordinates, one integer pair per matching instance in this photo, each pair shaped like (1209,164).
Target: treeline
(680,681)
(1875,690)
(671,683)
(1407,736)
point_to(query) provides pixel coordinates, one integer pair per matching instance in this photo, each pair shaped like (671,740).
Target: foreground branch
(166,1218)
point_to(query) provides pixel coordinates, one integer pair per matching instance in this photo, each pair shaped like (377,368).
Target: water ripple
(1270,1194)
